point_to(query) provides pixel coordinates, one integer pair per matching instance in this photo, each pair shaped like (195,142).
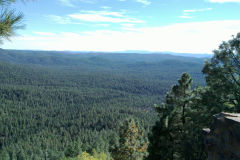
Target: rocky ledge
(223,137)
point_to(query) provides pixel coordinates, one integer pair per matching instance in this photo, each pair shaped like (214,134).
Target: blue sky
(189,26)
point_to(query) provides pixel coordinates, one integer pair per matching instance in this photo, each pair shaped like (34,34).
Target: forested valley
(113,106)
(56,105)
(69,106)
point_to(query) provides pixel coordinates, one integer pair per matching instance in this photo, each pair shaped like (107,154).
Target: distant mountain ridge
(204,55)
(101,59)
(153,67)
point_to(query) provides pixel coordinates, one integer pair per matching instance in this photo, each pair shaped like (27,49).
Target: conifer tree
(21,155)
(169,133)
(132,145)
(73,150)
(161,141)
(223,76)
(4,155)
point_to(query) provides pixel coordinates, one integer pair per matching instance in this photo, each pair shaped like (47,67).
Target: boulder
(222,140)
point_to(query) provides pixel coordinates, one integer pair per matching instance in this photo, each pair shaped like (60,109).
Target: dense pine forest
(56,105)
(111,106)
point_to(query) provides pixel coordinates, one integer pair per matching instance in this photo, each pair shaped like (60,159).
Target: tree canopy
(169,134)
(132,145)
(177,134)
(223,75)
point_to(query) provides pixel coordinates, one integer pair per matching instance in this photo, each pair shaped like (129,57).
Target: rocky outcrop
(223,137)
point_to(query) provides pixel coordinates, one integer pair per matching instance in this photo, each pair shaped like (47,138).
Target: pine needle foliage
(168,134)
(223,76)
(10,20)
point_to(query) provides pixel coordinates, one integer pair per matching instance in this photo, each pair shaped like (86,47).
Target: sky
(185,26)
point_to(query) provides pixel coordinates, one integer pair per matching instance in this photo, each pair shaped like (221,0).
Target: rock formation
(223,137)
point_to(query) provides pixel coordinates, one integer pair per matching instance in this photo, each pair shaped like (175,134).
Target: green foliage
(21,155)
(87,156)
(223,76)
(50,102)
(54,107)
(10,21)
(73,150)
(4,155)
(132,145)
(176,135)
(163,70)
(100,155)
(95,156)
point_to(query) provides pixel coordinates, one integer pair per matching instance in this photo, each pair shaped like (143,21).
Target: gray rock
(223,137)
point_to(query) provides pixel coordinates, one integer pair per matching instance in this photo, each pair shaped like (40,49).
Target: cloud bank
(195,37)
(186,13)
(94,17)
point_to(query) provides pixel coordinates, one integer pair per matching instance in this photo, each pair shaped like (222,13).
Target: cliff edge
(223,137)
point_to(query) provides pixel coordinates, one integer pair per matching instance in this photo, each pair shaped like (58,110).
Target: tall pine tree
(169,133)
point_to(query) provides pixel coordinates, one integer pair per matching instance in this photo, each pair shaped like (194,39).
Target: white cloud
(185,16)
(104,13)
(128,25)
(106,7)
(188,11)
(195,37)
(72,3)
(103,17)
(59,19)
(45,33)
(94,17)
(86,1)
(102,25)
(197,10)
(100,18)
(145,2)
(224,1)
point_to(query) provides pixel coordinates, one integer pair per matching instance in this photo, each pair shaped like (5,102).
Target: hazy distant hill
(61,57)
(147,66)
(204,55)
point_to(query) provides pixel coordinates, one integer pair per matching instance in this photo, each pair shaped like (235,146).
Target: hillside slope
(51,101)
